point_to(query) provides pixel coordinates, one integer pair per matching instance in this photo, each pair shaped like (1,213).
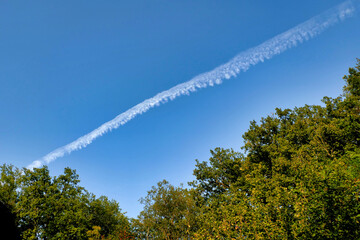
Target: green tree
(298,180)
(106,215)
(9,182)
(215,179)
(57,207)
(52,208)
(168,213)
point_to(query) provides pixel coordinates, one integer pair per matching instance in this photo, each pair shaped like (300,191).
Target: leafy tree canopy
(57,207)
(299,178)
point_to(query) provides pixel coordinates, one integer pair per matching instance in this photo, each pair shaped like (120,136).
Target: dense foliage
(296,178)
(168,213)
(57,207)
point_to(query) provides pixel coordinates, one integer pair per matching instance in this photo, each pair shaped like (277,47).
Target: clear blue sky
(66,67)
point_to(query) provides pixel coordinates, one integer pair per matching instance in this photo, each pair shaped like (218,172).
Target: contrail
(239,63)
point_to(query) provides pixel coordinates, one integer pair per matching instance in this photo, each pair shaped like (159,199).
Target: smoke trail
(239,63)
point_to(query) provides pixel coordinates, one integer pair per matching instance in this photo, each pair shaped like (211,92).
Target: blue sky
(67,67)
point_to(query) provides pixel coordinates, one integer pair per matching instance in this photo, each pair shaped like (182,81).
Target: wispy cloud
(240,63)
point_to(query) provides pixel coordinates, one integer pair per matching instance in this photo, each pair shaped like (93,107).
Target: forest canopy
(297,177)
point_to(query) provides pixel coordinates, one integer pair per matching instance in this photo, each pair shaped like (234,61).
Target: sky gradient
(67,68)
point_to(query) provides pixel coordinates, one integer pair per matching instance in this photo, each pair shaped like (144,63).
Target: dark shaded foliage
(8,225)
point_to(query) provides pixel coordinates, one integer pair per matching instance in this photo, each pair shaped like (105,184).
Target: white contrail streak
(239,63)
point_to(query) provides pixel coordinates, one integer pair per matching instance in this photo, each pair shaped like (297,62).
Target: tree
(9,182)
(168,213)
(298,180)
(216,179)
(52,208)
(48,207)
(108,219)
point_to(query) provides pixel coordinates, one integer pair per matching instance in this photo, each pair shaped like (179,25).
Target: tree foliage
(57,207)
(167,213)
(298,180)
